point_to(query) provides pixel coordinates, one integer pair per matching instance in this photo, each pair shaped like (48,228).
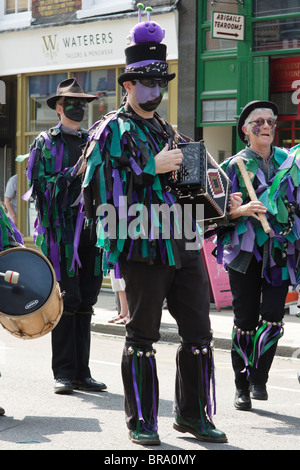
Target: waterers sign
(81,46)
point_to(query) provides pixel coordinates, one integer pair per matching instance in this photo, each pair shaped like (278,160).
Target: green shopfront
(246,50)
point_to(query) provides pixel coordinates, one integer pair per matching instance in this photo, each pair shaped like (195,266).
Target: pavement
(221,322)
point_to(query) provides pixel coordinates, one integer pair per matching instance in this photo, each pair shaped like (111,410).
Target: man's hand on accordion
(168,160)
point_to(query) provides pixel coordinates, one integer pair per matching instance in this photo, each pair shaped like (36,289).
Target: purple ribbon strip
(78,228)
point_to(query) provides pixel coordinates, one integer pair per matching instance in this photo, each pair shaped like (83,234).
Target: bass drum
(32,307)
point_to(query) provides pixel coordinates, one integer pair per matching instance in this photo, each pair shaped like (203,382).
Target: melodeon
(200,180)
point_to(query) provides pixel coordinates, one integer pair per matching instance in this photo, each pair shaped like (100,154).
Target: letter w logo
(50,45)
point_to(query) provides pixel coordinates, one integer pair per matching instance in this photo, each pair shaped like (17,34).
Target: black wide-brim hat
(70,88)
(146,60)
(248,109)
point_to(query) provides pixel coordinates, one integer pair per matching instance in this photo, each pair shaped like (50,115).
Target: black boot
(258,392)
(194,405)
(141,394)
(242,400)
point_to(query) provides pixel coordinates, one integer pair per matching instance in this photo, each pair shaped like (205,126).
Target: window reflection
(279,7)
(277,34)
(218,110)
(212,44)
(41,87)
(101,83)
(284,101)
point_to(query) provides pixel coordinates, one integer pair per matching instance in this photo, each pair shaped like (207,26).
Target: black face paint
(74,109)
(151,105)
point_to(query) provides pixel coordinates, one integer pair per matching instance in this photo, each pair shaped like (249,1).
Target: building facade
(42,42)
(239,51)
(225,54)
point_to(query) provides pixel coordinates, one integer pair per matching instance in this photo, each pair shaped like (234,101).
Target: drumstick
(10,276)
(252,194)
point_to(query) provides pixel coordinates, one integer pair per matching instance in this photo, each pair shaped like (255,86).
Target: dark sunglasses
(152,82)
(74,102)
(260,122)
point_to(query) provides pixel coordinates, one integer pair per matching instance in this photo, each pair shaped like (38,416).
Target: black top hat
(146,57)
(248,109)
(146,60)
(71,88)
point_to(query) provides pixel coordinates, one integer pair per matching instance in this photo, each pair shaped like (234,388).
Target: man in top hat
(54,172)
(261,264)
(129,160)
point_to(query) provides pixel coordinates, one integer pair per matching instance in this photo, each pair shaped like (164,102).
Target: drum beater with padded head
(12,277)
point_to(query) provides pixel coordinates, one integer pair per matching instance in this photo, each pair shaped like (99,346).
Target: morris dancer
(261,266)
(9,237)
(129,160)
(54,173)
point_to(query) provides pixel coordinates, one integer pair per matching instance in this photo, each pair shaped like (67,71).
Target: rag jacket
(121,175)
(9,234)
(56,189)
(278,188)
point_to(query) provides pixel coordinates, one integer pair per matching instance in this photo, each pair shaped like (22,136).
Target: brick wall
(46,9)
(158,3)
(52,8)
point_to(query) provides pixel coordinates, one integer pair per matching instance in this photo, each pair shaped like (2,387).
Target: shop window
(275,7)
(101,83)
(17,6)
(41,87)
(287,133)
(102,7)
(212,44)
(219,110)
(15,14)
(277,34)
(286,102)
(222,7)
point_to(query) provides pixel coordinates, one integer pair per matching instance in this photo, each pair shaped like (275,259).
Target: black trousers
(253,297)
(72,336)
(187,292)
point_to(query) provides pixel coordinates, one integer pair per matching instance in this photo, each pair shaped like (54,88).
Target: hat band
(152,68)
(141,63)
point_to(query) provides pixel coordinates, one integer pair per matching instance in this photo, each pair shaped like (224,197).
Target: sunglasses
(260,122)
(151,82)
(75,102)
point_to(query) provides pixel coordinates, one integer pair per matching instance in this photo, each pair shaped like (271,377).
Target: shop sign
(85,45)
(284,74)
(228,26)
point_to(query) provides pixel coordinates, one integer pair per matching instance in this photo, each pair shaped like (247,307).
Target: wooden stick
(252,194)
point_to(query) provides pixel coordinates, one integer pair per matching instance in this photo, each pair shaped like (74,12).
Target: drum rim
(54,284)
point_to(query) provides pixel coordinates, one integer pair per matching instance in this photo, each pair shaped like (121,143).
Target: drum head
(34,286)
